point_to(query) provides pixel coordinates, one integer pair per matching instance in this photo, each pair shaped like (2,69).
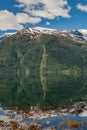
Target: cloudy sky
(61,14)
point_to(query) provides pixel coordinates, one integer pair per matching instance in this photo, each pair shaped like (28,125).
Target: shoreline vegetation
(12,119)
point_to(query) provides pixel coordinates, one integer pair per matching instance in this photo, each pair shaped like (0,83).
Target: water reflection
(61,90)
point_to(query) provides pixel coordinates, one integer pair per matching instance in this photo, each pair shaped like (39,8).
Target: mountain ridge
(79,35)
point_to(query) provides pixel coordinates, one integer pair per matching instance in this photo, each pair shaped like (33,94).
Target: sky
(60,14)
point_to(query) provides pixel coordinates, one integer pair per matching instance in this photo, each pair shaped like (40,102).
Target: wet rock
(53,128)
(79,105)
(85,107)
(2,123)
(76,112)
(14,125)
(34,127)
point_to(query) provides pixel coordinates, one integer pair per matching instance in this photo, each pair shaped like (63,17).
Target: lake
(55,90)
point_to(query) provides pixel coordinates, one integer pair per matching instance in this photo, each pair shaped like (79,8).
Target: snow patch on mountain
(35,32)
(46,30)
(84,32)
(39,30)
(5,35)
(76,35)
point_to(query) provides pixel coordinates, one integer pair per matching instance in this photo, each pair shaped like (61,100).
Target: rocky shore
(13,119)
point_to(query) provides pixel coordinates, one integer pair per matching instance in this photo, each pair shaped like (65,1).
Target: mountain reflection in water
(25,92)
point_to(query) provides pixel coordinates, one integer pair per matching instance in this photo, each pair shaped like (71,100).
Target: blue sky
(61,14)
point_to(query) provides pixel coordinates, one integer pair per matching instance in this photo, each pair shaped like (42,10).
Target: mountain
(36,58)
(4,36)
(84,33)
(77,35)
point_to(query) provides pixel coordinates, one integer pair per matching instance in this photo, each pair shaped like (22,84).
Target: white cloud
(33,12)
(9,21)
(47,23)
(82,7)
(46,8)
(28,2)
(19,6)
(25,18)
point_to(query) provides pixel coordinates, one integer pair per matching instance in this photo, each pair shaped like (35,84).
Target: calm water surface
(53,91)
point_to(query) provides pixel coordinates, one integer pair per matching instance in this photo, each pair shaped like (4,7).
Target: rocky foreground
(12,119)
